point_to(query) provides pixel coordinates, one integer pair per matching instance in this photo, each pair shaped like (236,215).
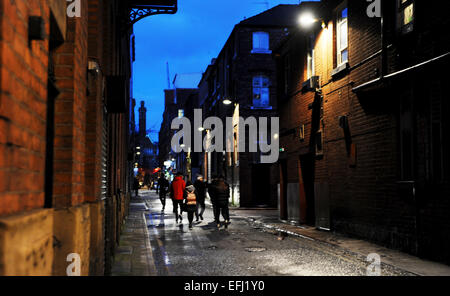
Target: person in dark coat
(200,188)
(212,194)
(136,187)
(190,201)
(221,192)
(163,186)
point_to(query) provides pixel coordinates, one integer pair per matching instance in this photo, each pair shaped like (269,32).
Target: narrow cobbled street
(244,249)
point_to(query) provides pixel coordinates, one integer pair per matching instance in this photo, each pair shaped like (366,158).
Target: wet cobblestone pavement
(244,249)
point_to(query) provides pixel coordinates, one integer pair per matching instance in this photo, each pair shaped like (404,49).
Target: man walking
(200,188)
(212,194)
(221,192)
(136,187)
(163,186)
(176,193)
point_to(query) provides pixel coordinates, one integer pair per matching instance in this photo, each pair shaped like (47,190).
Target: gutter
(392,75)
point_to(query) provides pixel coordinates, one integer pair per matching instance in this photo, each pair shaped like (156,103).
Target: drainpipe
(383,44)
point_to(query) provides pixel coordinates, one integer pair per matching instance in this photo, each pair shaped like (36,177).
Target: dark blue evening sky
(187,40)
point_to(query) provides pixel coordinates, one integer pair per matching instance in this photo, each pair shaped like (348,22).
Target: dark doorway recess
(261,185)
(306,179)
(283,189)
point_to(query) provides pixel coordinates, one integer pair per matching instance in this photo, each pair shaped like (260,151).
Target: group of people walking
(190,197)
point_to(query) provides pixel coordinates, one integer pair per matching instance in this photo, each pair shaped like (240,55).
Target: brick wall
(23,73)
(236,82)
(94,116)
(70,114)
(365,198)
(79,61)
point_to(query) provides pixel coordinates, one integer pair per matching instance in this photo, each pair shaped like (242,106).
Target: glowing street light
(307,19)
(227,102)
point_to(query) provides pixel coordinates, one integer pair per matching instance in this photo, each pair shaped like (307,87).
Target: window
(301,133)
(405,17)
(260,92)
(342,35)
(261,42)
(310,57)
(180,113)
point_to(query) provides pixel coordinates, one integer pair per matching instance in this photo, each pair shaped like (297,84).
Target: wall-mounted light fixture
(308,19)
(227,102)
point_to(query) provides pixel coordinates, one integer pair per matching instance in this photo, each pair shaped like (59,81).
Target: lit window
(260,92)
(342,35)
(310,57)
(180,113)
(406,16)
(261,42)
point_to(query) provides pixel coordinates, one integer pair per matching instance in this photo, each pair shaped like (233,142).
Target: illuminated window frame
(406,15)
(341,27)
(311,71)
(261,88)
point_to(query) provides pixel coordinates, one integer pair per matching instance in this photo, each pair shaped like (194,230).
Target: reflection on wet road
(242,250)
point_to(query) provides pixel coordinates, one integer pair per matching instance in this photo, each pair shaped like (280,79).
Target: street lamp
(307,19)
(227,102)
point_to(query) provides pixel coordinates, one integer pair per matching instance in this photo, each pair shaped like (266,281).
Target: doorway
(283,190)
(261,185)
(306,183)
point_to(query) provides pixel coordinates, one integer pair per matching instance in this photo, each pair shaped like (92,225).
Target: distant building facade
(244,76)
(147,151)
(176,99)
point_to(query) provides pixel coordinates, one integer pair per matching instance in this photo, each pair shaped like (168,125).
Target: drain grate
(255,249)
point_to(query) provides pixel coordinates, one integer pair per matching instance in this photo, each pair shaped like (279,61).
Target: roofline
(241,25)
(265,11)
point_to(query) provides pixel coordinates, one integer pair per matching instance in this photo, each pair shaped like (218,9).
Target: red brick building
(65,165)
(363,107)
(244,75)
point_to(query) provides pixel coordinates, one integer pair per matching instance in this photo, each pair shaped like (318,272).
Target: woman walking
(190,196)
